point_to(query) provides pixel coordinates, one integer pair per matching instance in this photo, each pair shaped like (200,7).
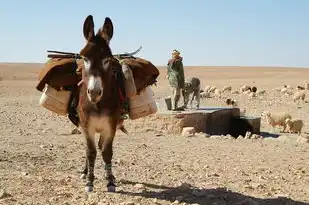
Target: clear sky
(217,32)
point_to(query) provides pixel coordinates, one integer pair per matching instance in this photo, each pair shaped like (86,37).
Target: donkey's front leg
(85,170)
(107,155)
(91,154)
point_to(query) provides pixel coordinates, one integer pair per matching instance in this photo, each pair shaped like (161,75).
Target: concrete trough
(213,121)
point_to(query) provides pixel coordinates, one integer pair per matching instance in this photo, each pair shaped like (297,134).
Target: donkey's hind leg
(91,154)
(107,155)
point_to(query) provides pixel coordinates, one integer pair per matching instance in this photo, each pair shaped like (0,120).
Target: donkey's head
(97,73)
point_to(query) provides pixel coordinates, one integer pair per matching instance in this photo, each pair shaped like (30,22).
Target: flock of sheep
(282,119)
(245,89)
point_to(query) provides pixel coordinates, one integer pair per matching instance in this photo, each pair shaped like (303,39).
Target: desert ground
(40,159)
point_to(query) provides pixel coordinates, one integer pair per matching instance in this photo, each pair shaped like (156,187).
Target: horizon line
(252,66)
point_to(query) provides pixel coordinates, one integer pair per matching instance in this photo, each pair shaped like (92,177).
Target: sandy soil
(40,159)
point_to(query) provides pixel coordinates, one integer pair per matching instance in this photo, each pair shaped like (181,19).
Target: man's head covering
(175,52)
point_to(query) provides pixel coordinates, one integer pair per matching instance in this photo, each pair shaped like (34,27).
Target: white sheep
(244,88)
(278,89)
(207,88)
(288,86)
(301,94)
(276,119)
(294,126)
(283,90)
(286,91)
(227,88)
(252,95)
(212,89)
(261,92)
(205,94)
(235,92)
(247,92)
(218,92)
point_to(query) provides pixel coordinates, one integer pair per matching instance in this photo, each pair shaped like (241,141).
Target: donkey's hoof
(111,187)
(83,176)
(88,188)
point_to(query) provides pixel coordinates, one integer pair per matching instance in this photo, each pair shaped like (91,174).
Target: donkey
(101,99)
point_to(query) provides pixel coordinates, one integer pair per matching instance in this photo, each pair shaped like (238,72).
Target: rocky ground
(40,158)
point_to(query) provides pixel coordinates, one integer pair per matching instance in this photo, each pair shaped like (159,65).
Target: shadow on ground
(218,196)
(268,134)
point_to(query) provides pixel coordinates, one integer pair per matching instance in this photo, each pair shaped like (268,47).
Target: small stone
(118,161)
(206,166)
(188,132)
(215,136)
(43,146)
(76,131)
(228,136)
(142,145)
(40,179)
(281,196)
(103,203)
(179,198)
(215,175)
(4,194)
(24,173)
(47,130)
(240,137)
(127,203)
(202,134)
(248,135)
(302,139)
(139,186)
(272,189)
(257,185)
(248,187)
(183,185)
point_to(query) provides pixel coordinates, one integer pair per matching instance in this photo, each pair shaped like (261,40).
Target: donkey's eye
(87,64)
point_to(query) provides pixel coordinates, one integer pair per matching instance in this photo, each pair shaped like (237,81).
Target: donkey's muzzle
(94,95)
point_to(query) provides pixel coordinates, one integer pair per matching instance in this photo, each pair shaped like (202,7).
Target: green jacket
(175,73)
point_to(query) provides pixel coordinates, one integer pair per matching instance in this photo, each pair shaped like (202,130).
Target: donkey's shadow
(191,195)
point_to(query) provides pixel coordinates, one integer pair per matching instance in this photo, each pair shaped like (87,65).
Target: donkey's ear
(88,28)
(107,30)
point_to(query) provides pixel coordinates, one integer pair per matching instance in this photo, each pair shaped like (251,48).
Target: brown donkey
(100,98)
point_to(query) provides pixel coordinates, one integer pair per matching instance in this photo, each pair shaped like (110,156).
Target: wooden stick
(76,55)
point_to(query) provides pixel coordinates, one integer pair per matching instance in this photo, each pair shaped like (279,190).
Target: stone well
(213,121)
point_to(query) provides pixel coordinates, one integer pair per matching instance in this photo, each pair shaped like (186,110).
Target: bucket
(168,102)
(55,101)
(143,104)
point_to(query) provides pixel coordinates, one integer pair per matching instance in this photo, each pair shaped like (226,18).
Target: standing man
(176,77)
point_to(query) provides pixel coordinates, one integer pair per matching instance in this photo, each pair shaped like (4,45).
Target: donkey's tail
(123,129)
